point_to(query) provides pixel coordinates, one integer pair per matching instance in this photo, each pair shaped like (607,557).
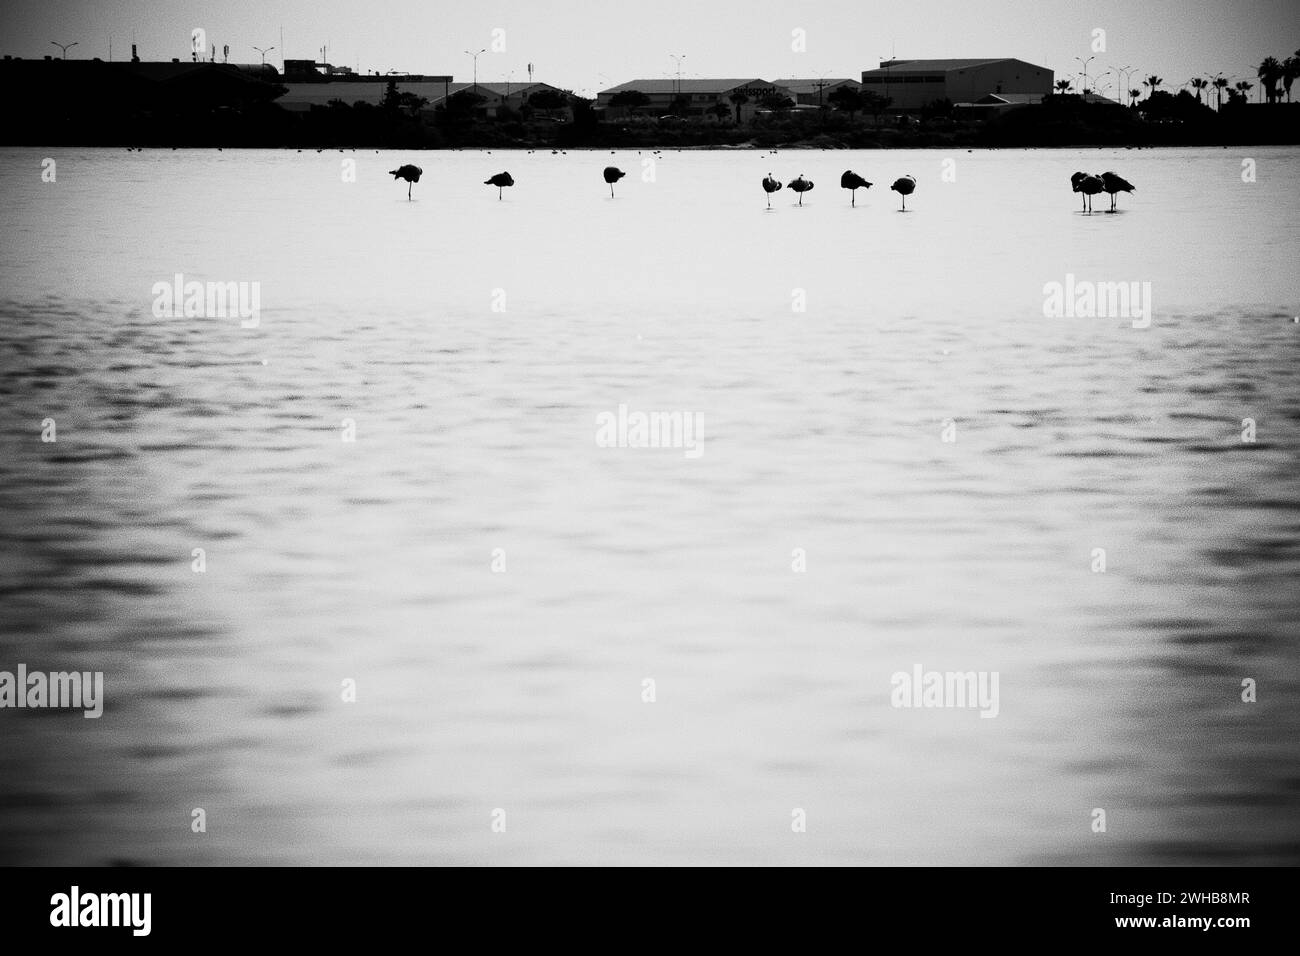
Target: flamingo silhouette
(853,182)
(1113,183)
(1075,181)
(410,173)
(500,181)
(801,186)
(904,186)
(770,186)
(612,175)
(1087,184)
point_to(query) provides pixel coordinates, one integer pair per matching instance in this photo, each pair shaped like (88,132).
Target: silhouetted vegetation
(214,105)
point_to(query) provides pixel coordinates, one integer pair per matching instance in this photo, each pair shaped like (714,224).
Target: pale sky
(584,46)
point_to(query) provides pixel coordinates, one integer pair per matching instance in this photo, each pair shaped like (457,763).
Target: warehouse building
(691,97)
(815,91)
(913,84)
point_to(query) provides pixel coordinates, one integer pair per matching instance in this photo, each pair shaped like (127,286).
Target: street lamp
(1096,82)
(263,52)
(1085,70)
(65,47)
(1122,75)
(475,57)
(678,57)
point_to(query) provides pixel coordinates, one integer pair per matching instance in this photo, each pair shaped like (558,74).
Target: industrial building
(817,90)
(321,87)
(700,95)
(914,84)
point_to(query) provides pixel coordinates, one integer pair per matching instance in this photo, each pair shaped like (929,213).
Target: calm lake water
(473,343)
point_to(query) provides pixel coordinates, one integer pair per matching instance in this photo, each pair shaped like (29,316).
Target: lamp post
(1085,70)
(65,47)
(258,49)
(1096,82)
(474,57)
(1122,75)
(678,57)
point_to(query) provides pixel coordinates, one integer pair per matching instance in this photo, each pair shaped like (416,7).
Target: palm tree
(1199,84)
(1220,84)
(1269,72)
(739,99)
(1063,85)
(1132,96)
(1290,70)
(1244,87)
(1153,82)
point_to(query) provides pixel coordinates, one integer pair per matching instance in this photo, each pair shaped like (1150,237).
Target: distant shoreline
(1174,122)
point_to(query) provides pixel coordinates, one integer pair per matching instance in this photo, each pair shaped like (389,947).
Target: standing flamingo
(410,173)
(500,181)
(1087,184)
(1075,182)
(801,186)
(904,186)
(612,175)
(770,186)
(853,182)
(1113,184)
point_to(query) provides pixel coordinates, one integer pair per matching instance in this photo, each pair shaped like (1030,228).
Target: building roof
(812,85)
(936,66)
(304,95)
(671,85)
(1009,99)
(502,89)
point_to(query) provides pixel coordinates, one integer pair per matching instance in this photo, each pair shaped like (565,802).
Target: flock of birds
(1087,184)
(904,186)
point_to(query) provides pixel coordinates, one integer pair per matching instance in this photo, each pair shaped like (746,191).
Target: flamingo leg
(853,197)
(408,191)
